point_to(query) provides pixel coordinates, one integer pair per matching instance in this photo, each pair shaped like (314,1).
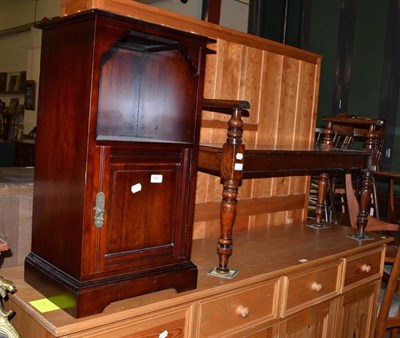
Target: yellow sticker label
(44,305)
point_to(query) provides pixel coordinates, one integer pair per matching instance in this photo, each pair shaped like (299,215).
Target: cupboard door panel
(313,322)
(264,333)
(144,205)
(357,310)
(144,200)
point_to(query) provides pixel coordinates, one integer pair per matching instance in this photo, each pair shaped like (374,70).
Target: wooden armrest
(387,174)
(226,106)
(355,121)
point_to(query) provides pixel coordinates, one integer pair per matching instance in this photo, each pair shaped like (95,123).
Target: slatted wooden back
(281,84)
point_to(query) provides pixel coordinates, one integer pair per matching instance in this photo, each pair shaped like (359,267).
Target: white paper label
(239,156)
(163,334)
(156,178)
(136,188)
(239,166)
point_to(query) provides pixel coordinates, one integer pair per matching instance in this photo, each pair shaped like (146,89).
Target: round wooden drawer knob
(243,311)
(317,287)
(366,268)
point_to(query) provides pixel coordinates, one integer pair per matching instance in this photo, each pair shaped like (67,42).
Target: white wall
(15,13)
(191,8)
(234,13)
(21,51)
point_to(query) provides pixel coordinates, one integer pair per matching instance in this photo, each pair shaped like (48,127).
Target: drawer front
(240,308)
(363,267)
(312,286)
(165,324)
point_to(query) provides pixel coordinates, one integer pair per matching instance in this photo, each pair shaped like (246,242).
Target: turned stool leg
(231,176)
(365,202)
(322,190)
(228,215)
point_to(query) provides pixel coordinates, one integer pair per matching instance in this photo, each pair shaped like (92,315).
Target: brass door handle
(99,210)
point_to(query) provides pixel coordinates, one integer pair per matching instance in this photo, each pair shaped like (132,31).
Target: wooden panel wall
(282,90)
(280,82)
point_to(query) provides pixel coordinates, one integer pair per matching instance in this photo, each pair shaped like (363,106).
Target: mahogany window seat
(234,161)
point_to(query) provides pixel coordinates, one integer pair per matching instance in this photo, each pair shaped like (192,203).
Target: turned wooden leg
(327,142)
(232,163)
(365,203)
(228,215)
(390,212)
(322,190)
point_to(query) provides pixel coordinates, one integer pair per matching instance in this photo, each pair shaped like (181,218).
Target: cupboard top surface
(259,255)
(85,12)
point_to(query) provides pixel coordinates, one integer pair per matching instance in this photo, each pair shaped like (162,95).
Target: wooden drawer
(363,268)
(234,310)
(312,286)
(163,324)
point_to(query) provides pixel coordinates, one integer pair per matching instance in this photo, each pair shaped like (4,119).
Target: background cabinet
(113,210)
